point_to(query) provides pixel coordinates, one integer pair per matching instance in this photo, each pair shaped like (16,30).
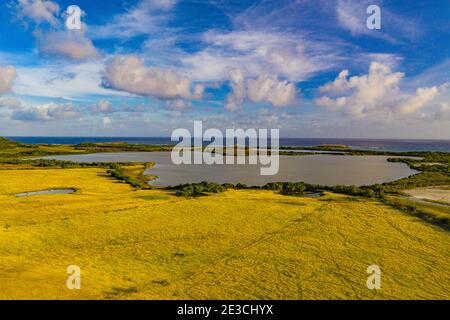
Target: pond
(50,191)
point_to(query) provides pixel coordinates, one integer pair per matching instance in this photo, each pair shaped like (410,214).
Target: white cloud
(378,92)
(103,106)
(336,104)
(339,85)
(62,80)
(255,52)
(45,112)
(147,17)
(158,4)
(69,44)
(278,93)
(56,41)
(417,101)
(10,103)
(261,89)
(106,121)
(392,60)
(129,73)
(238,94)
(352,15)
(178,105)
(7,75)
(38,11)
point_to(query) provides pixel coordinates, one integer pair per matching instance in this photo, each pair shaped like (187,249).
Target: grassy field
(433,212)
(240,244)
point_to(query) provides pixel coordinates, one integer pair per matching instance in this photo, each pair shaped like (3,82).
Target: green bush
(198,189)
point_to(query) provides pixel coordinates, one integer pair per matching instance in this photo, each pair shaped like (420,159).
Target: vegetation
(437,162)
(434,170)
(332,147)
(428,211)
(422,179)
(8,144)
(120,175)
(120,147)
(381,191)
(198,189)
(238,244)
(132,174)
(13,154)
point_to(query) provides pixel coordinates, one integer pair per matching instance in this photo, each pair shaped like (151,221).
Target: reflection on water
(314,169)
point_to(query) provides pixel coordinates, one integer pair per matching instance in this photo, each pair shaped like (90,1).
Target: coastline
(394,145)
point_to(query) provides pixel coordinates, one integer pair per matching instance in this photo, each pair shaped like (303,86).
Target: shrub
(198,189)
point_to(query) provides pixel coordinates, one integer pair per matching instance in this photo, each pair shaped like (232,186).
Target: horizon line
(168,137)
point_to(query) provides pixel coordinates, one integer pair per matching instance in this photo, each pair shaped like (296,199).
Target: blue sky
(311,68)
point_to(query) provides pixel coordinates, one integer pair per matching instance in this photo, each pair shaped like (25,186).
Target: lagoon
(321,169)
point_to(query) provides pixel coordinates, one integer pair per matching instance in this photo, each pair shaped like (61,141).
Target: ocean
(366,144)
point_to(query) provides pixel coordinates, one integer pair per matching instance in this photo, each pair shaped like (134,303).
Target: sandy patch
(441,194)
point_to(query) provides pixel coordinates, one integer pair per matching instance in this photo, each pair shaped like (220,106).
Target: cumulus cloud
(38,11)
(264,88)
(7,75)
(418,100)
(45,112)
(339,85)
(375,93)
(238,93)
(56,41)
(129,73)
(327,102)
(68,44)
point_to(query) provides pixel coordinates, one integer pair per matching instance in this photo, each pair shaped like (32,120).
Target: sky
(311,68)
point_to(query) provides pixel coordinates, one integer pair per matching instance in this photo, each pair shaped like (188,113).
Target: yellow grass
(149,244)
